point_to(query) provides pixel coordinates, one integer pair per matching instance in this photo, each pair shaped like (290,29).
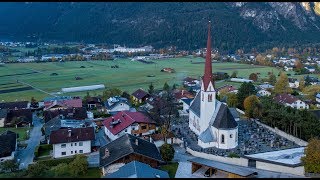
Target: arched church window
(230,135)
(202,96)
(210,98)
(222,139)
(236,137)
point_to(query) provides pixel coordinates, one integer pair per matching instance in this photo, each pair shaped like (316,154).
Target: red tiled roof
(182,94)
(157,137)
(285,98)
(77,134)
(228,87)
(126,119)
(68,102)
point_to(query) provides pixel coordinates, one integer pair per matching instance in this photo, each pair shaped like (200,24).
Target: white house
(318,100)
(290,100)
(310,69)
(210,119)
(266,86)
(135,123)
(288,68)
(293,82)
(8,145)
(69,142)
(263,92)
(117,104)
(3,116)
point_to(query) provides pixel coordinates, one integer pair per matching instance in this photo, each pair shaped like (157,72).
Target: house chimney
(182,92)
(137,142)
(69,132)
(106,153)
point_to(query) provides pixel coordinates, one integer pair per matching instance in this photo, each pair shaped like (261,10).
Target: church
(209,118)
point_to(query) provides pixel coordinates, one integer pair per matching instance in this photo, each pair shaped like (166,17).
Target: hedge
(55,162)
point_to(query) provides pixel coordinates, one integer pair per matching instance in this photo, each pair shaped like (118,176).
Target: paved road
(26,155)
(184,168)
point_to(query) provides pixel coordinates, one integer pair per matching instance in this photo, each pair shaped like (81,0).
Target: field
(130,75)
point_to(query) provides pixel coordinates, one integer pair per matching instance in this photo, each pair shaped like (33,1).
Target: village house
(94,103)
(220,75)
(182,94)
(3,116)
(318,99)
(126,122)
(140,96)
(227,88)
(190,82)
(116,104)
(69,142)
(19,118)
(293,82)
(15,105)
(310,69)
(158,139)
(290,100)
(62,103)
(263,92)
(136,169)
(79,113)
(128,148)
(288,68)
(8,145)
(266,86)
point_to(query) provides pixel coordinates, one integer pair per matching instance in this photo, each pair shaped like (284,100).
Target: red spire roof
(207,78)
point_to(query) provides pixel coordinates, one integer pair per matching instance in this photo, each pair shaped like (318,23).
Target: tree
(253,77)
(252,106)
(61,170)
(311,160)
(151,89)
(110,93)
(9,165)
(298,65)
(232,99)
(311,91)
(85,98)
(272,79)
(246,89)
(34,103)
(166,87)
(234,74)
(282,85)
(301,84)
(79,166)
(174,86)
(37,169)
(307,81)
(167,152)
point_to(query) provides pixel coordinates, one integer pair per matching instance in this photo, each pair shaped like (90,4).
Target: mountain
(183,24)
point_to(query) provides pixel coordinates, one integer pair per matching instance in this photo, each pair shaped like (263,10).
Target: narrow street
(25,156)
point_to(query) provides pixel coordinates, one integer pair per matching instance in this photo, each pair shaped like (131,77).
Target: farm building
(240,80)
(140,96)
(8,145)
(169,70)
(83,88)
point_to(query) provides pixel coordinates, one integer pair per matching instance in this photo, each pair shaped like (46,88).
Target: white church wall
(194,122)
(236,161)
(279,168)
(230,139)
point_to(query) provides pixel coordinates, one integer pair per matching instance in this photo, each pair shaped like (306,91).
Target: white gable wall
(71,149)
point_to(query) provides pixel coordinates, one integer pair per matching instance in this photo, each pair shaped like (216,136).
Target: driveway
(93,159)
(25,156)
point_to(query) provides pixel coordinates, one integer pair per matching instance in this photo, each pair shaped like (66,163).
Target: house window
(222,139)
(75,144)
(81,151)
(80,143)
(63,153)
(230,135)
(63,145)
(125,130)
(144,127)
(210,98)
(71,144)
(71,152)
(75,151)
(202,96)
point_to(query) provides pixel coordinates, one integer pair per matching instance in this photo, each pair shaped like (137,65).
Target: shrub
(61,170)
(55,162)
(37,169)
(233,155)
(167,152)
(79,166)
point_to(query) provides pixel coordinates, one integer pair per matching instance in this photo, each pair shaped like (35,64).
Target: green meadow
(130,75)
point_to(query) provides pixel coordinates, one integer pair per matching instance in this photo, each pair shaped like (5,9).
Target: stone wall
(228,160)
(298,141)
(278,168)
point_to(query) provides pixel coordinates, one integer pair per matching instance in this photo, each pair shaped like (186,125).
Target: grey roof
(3,113)
(187,101)
(195,105)
(52,125)
(124,146)
(136,169)
(8,140)
(224,118)
(318,95)
(121,100)
(234,112)
(206,136)
(234,169)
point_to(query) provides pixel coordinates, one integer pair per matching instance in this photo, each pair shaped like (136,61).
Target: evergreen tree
(272,79)
(166,87)
(151,89)
(246,89)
